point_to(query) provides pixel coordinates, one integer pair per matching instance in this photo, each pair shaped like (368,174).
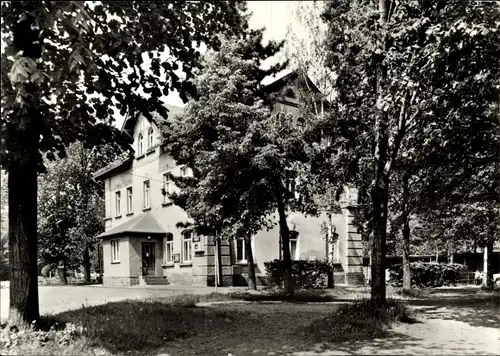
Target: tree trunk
(451,255)
(487,270)
(86,265)
(23,256)
(406,236)
(219,264)
(485,267)
(285,245)
(61,273)
(380,189)
(252,281)
(379,216)
(329,255)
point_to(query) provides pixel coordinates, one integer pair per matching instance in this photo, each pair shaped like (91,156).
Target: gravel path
(439,331)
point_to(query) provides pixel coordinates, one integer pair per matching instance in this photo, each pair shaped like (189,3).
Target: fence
(466,278)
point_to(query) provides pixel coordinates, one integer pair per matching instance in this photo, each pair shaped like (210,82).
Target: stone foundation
(120,281)
(181,277)
(355,279)
(227,281)
(339,278)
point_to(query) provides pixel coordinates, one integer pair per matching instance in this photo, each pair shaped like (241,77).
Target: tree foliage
(242,157)
(414,80)
(212,137)
(70,204)
(67,68)
(80,61)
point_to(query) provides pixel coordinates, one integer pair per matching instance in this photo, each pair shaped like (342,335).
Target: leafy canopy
(69,67)
(214,139)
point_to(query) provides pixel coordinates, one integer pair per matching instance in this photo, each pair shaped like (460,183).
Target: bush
(306,274)
(59,339)
(361,320)
(46,270)
(413,292)
(426,274)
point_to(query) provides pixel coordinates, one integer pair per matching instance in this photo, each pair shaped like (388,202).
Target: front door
(148,258)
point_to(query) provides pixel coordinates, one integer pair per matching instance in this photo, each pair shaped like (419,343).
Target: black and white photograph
(233,178)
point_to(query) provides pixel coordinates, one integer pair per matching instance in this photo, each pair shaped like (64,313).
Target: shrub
(59,339)
(426,274)
(306,274)
(361,320)
(413,292)
(46,270)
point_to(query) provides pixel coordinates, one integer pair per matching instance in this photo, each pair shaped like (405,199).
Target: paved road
(56,299)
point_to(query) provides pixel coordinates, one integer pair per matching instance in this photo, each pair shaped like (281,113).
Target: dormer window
(301,123)
(150,138)
(140,144)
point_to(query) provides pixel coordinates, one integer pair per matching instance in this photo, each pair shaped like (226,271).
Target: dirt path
(460,326)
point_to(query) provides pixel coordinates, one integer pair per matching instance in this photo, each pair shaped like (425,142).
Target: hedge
(426,274)
(306,274)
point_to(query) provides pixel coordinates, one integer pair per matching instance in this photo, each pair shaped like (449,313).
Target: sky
(274,16)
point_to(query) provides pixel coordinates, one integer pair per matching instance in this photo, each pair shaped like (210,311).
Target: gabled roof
(129,122)
(113,168)
(290,77)
(142,224)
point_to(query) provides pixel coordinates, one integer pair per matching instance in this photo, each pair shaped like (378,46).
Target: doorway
(148,259)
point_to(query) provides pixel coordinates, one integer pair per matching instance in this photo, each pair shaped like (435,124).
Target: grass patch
(300,296)
(417,293)
(126,326)
(49,339)
(174,326)
(361,320)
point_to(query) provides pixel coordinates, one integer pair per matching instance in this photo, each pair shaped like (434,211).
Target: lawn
(177,326)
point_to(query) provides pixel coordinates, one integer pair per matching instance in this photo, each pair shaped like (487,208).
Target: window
(290,184)
(290,93)
(294,235)
(301,124)
(167,187)
(241,252)
(326,140)
(150,137)
(115,251)
(118,203)
(140,145)
(169,248)
(129,200)
(147,202)
(184,171)
(186,246)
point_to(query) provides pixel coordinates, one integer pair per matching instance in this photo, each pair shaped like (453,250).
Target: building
(142,245)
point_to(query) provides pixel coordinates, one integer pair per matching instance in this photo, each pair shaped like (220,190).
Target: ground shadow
(394,343)
(471,308)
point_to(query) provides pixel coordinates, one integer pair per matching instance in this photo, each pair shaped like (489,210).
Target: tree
(4,222)
(66,68)
(305,51)
(212,139)
(406,86)
(70,206)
